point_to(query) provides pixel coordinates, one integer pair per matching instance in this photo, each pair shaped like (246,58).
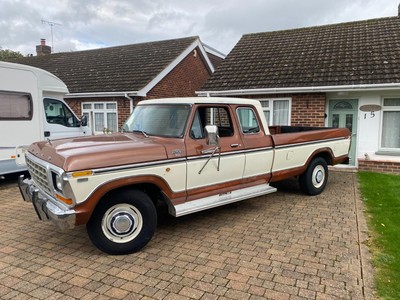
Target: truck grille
(39,174)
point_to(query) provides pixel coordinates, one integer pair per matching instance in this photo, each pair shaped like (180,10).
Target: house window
(391,124)
(103,115)
(276,111)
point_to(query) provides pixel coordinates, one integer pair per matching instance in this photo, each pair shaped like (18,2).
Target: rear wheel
(123,223)
(314,179)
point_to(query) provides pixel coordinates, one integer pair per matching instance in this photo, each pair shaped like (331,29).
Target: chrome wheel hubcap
(122,223)
(318,177)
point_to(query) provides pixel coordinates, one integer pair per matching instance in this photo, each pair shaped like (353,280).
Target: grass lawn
(381,195)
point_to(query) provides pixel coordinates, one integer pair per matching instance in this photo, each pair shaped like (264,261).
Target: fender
(326,152)
(85,209)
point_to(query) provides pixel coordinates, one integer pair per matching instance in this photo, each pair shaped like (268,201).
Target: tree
(7,54)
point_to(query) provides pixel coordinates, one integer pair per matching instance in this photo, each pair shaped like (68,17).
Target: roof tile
(362,52)
(113,69)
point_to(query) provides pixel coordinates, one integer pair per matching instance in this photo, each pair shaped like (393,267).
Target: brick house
(340,75)
(105,84)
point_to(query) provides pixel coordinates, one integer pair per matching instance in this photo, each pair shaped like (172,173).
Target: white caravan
(32,109)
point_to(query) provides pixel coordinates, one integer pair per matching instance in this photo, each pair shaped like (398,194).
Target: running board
(221,199)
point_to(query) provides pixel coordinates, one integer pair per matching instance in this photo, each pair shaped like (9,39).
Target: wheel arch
(153,186)
(325,153)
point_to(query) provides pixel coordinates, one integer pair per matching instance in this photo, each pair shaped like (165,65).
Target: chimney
(43,49)
(398,10)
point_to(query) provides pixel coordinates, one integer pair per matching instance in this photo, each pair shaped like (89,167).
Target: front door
(205,174)
(343,113)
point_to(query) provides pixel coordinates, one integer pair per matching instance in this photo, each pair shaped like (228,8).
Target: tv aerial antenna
(51,24)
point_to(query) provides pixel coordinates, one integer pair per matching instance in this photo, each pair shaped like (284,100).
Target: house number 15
(371,115)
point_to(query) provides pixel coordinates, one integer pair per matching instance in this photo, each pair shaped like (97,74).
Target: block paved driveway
(281,246)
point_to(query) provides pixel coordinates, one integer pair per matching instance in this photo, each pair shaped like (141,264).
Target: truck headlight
(57,182)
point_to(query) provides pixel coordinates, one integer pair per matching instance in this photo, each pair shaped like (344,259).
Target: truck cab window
(248,120)
(218,116)
(58,113)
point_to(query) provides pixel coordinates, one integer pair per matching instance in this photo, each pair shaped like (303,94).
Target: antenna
(51,24)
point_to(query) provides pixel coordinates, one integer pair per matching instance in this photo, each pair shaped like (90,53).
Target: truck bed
(288,135)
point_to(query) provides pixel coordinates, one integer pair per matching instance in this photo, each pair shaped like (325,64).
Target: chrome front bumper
(46,209)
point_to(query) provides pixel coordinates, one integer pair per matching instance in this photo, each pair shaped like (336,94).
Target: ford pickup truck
(192,153)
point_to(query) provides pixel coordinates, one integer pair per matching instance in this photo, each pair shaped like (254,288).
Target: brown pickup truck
(191,153)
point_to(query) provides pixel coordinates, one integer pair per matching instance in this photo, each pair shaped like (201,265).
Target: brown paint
(226,187)
(282,139)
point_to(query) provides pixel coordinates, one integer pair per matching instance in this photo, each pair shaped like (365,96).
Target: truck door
(205,178)
(259,152)
(60,121)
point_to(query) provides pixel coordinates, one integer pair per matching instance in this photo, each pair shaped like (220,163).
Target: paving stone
(281,246)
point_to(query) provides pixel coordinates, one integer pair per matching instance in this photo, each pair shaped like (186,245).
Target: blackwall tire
(123,222)
(314,179)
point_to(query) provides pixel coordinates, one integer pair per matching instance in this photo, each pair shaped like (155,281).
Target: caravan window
(15,106)
(58,113)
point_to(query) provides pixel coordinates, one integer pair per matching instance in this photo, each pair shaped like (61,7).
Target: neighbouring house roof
(131,68)
(346,54)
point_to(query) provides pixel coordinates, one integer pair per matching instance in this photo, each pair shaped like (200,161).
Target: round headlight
(59,182)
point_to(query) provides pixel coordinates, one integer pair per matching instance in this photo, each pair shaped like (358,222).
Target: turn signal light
(82,173)
(65,200)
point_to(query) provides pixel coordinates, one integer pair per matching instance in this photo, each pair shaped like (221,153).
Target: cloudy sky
(88,24)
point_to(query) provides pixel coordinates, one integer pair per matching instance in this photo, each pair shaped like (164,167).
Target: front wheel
(123,223)
(314,179)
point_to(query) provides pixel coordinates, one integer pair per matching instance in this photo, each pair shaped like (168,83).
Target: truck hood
(100,151)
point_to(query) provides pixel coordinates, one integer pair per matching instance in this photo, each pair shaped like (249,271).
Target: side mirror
(212,137)
(84,121)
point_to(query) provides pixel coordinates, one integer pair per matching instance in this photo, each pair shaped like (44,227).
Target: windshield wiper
(142,132)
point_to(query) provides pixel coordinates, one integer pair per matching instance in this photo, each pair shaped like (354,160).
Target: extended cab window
(15,106)
(58,113)
(206,115)
(248,120)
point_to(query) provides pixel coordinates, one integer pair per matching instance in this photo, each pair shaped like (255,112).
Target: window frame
(30,104)
(249,109)
(395,151)
(270,109)
(103,111)
(212,120)
(65,109)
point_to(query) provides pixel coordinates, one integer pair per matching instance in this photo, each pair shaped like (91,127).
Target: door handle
(235,145)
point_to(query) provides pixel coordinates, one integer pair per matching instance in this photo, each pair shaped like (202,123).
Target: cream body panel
(297,156)
(231,168)
(258,163)
(174,174)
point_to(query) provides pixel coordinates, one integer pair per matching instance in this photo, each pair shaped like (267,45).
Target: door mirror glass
(212,137)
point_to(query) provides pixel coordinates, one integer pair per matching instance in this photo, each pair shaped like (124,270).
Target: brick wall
(379,166)
(307,109)
(186,78)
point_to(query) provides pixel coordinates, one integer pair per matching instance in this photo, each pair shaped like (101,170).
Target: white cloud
(87,24)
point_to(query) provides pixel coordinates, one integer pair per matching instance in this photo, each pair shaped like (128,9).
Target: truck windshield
(168,120)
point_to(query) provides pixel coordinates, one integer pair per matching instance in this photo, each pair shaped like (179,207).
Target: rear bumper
(45,207)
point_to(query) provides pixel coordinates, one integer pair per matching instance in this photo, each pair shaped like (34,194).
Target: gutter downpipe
(130,102)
